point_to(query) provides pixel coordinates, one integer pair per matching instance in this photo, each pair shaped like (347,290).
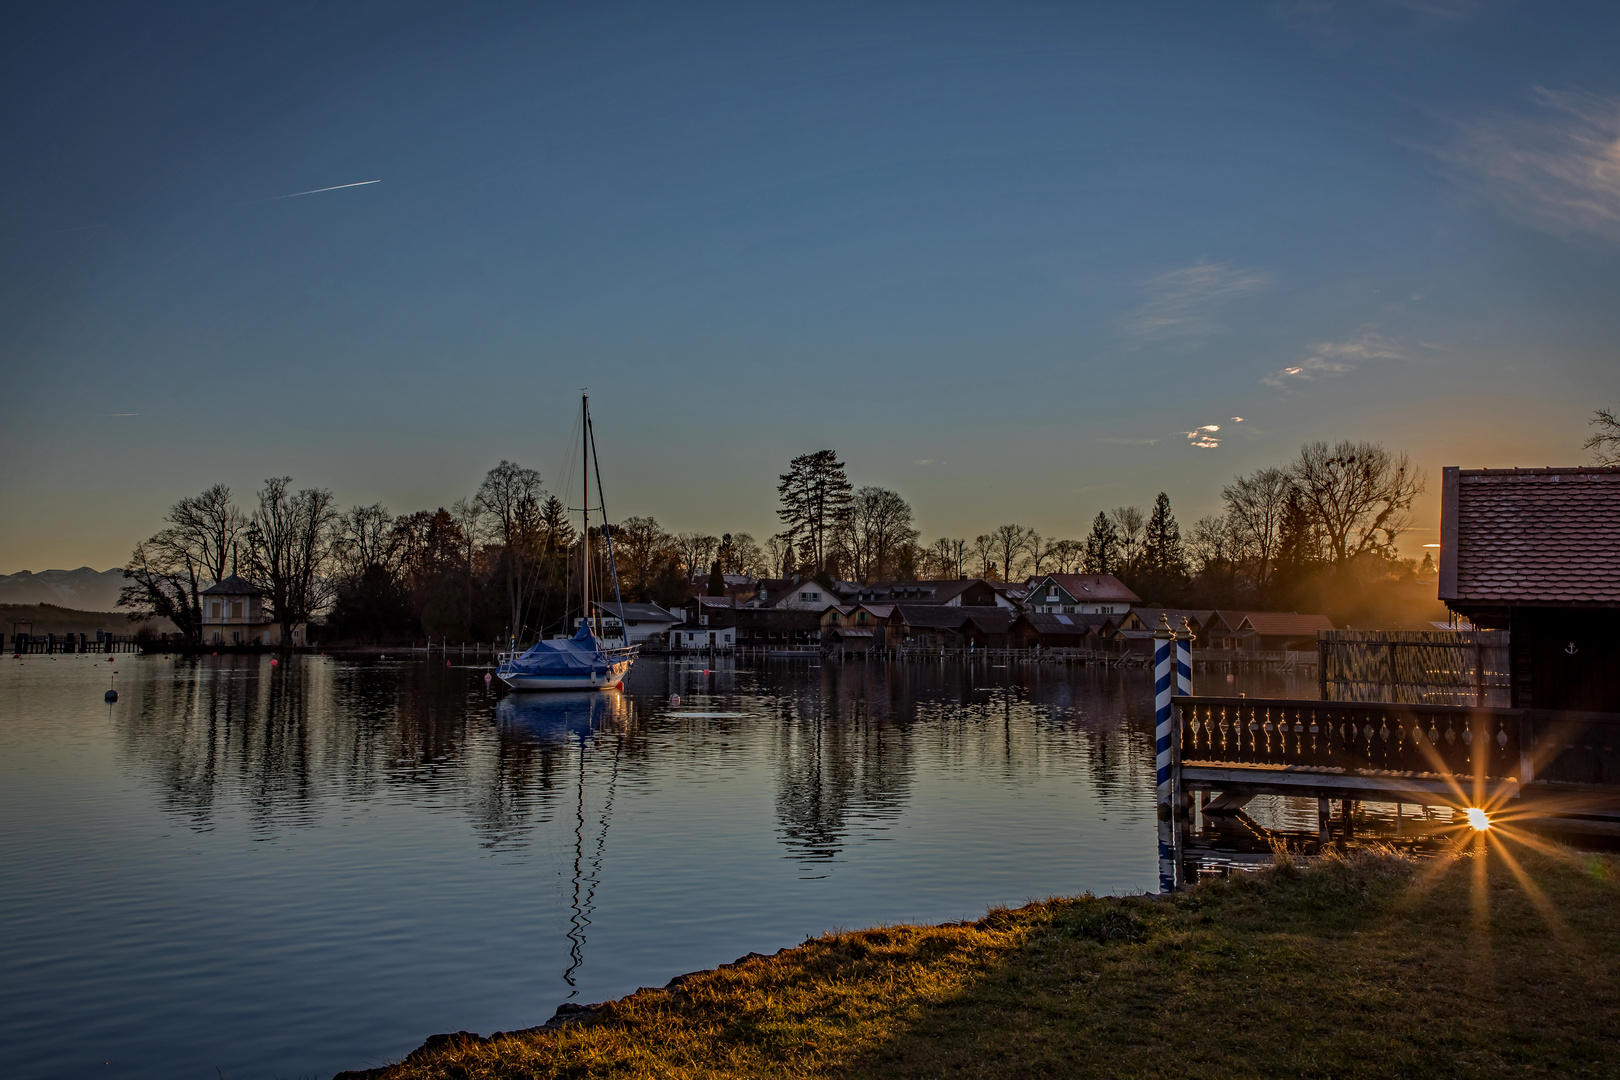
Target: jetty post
(1163,740)
(1164,727)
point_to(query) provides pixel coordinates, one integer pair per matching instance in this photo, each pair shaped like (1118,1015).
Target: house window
(236,609)
(213,610)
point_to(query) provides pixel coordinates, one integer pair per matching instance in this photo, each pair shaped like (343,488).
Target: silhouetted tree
(1102,546)
(1605,441)
(290,540)
(1162,566)
(815,496)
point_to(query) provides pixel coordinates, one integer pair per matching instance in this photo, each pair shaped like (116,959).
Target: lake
(244,869)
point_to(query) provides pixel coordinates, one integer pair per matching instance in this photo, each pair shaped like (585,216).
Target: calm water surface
(242,870)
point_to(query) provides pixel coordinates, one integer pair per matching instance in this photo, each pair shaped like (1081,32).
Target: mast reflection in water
(287,870)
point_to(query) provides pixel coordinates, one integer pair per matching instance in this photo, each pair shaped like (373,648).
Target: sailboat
(584,661)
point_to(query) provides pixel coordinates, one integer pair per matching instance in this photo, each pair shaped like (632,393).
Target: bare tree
(198,547)
(162,583)
(1605,441)
(778,552)
(696,550)
(290,538)
(743,555)
(879,526)
(1009,546)
(984,553)
(366,538)
(1359,494)
(209,525)
(512,496)
(1255,506)
(641,548)
(1130,526)
(1065,556)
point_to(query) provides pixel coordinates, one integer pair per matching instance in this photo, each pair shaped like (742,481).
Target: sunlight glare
(1478,819)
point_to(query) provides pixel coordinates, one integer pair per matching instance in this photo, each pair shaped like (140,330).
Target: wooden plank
(1288,780)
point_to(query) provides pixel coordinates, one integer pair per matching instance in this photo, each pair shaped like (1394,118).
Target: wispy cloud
(1334,358)
(1557,168)
(1111,441)
(1186,301)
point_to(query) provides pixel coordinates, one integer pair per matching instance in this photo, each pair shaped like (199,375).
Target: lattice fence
(1419,667)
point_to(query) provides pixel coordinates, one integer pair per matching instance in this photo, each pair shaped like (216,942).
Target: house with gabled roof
(949,592)
(1537,552)
(1057,630)
(233,613)
(1079,594)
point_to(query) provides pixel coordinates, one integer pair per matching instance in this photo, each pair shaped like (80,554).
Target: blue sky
(1002,257)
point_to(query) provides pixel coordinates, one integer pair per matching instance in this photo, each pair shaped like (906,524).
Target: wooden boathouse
(1531,556)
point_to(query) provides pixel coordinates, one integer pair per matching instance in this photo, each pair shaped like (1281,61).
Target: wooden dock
(1557,766)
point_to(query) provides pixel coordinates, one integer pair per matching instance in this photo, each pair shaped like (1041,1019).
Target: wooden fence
(1432,667)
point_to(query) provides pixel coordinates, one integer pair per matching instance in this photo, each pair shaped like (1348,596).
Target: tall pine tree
(1163,561)
(1102,547)
(816,498)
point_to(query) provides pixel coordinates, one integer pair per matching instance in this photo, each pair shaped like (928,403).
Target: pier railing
(1359,737)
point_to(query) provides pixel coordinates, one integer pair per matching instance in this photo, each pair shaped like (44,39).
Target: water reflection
(395,848)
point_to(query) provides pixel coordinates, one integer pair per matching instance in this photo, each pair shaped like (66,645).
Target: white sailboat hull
(605,681)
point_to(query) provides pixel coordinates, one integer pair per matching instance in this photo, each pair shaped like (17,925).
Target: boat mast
(585,536)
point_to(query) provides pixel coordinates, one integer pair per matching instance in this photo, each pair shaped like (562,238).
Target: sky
(1008,259)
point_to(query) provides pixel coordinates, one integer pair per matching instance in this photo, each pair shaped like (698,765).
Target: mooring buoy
(111,695)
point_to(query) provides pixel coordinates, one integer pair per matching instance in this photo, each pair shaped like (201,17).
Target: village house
(1056,630)
(1279,631)
(1536,552)
(644,622)
(233,613)
(1079,594)
(855,627)
(951,592)
(945,626)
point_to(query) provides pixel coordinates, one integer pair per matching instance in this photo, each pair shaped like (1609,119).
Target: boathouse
(1536,552)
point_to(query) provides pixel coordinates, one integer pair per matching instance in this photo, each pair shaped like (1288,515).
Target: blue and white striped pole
(1163,729)
(1184,659)
(1164,733)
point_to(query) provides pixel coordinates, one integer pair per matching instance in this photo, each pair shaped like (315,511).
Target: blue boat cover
(579,655)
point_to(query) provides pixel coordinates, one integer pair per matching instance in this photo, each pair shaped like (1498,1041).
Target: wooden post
(1324,820)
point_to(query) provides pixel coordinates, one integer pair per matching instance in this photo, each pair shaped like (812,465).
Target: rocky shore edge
(568,1014)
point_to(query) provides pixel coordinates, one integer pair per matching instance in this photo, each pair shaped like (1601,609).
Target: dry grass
(1369,966)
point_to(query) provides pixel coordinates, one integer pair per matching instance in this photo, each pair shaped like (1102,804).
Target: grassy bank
(1372,966)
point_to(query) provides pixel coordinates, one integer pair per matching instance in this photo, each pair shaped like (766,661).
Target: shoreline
(1369,963)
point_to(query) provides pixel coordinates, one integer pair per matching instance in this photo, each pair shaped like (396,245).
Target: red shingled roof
(1285,623)
(1530,536)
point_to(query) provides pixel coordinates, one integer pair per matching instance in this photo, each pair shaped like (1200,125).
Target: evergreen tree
(1163,563)
(717,580)
(816,498)
(1102,547)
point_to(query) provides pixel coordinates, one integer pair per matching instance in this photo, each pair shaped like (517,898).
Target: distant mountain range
(83,589)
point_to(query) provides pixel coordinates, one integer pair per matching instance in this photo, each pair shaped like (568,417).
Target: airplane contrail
(334,187)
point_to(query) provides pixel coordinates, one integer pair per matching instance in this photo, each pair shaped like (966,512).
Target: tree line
(502,562)
(1320,531)
(505,561)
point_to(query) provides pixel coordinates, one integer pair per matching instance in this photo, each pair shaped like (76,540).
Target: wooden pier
(1560,768)
(26,644)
